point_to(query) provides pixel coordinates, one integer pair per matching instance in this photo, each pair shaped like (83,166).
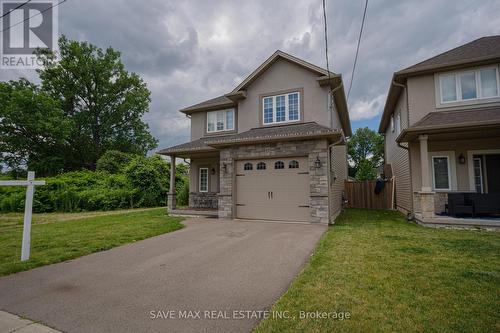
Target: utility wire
(41,12)
(357,49)
(326,55)
(7,13)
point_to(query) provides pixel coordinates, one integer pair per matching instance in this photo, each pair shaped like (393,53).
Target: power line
(326,51)
(40,13)
(14,9)
(357,50)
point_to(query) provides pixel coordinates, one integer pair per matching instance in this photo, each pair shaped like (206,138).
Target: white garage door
(273,189)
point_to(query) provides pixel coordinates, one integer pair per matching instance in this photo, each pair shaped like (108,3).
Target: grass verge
(59,237)
(395,276)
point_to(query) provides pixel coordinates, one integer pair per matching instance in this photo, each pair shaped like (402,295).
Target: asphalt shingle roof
(214,102)
(458,117)
(479,49)
(273,133)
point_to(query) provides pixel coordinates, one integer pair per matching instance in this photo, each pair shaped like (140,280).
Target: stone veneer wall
(440,199)
(203,200)
(318,177)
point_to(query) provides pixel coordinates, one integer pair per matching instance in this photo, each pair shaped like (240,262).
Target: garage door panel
(273,194)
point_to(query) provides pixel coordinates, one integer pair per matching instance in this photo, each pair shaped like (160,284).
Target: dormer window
(469,85)
(281,108)
(219,121)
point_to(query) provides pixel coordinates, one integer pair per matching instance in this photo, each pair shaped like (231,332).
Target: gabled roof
(324,78)
(300,131)
(482,51)
(275,57)
(441,121)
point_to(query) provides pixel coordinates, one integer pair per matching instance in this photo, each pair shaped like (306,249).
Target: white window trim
(480,173)
(458,86)
(392,123)
(452,171)
(287,116)
(199,180)
(225,129)
(470,164)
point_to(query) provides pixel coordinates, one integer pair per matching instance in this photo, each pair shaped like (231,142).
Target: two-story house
(441,124)
(271,149)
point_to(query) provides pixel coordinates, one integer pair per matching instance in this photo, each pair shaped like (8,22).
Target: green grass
(59,237)
(396,276)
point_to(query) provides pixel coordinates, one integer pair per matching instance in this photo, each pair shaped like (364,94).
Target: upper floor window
(469,85)
(281,108)
(218,121)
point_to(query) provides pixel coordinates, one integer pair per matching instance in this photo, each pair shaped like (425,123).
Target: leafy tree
(365,151)
(113,161)
(104,102)
(366,171)
(33,129)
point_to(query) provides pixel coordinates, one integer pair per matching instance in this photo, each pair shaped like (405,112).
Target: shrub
(143,182)
(113,161)
(183,194)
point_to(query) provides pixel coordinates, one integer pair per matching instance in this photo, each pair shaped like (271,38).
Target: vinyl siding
(399,158)
(338,167)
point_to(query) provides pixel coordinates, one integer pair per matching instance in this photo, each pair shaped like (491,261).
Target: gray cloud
(188,51)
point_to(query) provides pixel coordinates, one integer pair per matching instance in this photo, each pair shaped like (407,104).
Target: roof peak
(486,46)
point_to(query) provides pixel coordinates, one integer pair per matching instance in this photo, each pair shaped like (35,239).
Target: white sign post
(28,208)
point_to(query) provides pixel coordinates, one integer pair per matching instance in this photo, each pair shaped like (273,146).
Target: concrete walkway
(10,323)
(189,280)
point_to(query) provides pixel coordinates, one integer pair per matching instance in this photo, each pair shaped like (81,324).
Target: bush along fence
(142,182)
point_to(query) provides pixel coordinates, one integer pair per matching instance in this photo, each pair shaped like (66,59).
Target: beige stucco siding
(423,97)
(461,176)
(194,170)
(338,175)
(281,76)
(399,158)
(198,125)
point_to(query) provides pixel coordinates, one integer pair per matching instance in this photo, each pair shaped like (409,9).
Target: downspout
(332,91)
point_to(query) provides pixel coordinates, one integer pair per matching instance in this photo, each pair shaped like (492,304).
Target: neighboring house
(442,127)
(271,149)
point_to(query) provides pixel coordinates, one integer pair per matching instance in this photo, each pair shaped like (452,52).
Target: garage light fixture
(224,167)
(317,163)
(461,159)
(212,171)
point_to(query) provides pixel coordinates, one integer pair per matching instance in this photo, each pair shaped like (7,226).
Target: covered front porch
(455,173)
(204,180)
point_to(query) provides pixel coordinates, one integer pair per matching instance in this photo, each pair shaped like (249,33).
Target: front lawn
(59,237)
(395,276)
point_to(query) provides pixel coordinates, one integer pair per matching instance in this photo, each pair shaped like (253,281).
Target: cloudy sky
(188,51)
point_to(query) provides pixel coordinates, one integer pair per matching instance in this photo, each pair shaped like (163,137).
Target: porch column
(171,199)
(424,161)
(426,195)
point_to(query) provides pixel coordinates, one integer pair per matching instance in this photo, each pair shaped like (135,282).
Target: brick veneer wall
(318,178)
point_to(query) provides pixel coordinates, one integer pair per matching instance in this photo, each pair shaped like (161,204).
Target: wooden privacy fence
(361,194)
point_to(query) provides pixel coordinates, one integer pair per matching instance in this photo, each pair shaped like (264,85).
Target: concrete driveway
(208,266)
